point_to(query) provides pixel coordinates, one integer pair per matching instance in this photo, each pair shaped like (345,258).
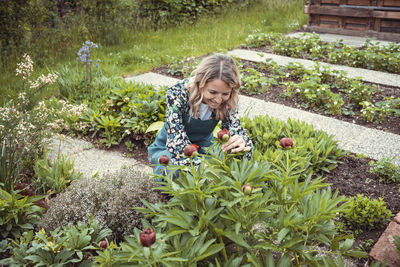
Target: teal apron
(199,132)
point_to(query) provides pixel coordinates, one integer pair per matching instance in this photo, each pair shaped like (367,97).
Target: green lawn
(144,50)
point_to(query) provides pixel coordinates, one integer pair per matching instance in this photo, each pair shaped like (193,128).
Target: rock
(397,218)
(385,250)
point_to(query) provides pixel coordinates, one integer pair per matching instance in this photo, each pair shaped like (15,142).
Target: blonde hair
(215,67)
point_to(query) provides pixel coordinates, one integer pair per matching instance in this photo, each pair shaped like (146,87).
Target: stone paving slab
(89,160)
(355,138)
(366,75)
(355,41)
(152,78)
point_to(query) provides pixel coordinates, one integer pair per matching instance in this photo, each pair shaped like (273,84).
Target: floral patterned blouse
(177,139)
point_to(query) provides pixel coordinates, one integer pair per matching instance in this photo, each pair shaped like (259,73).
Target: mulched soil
(351,177)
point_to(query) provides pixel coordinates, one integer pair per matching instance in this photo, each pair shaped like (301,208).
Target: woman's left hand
(236,144)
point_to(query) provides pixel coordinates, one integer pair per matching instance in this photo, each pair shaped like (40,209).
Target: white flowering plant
(33,87)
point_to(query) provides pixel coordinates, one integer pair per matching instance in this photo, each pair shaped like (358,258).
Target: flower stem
(152,256)
(223,250)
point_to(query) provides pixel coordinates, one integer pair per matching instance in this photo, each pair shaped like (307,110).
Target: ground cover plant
(370,56)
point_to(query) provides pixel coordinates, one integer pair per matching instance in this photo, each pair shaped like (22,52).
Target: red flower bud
(190,150)
(147,237)
(103,244)
(247,189)
(286,142)
(223,135)
(163,160)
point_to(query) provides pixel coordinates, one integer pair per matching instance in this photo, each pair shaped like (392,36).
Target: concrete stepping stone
(372,76)
(385,250)
(373,143)
(355,41)
(89,160)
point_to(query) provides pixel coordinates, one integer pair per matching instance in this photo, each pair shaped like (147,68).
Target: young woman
(194,108)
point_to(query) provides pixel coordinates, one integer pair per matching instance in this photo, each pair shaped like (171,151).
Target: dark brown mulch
(351,177)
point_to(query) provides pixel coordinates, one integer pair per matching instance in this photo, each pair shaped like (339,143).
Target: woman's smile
(215,93)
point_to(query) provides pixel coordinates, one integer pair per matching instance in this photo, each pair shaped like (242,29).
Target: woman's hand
(236,144)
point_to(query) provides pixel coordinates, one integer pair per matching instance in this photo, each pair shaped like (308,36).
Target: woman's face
(215,93)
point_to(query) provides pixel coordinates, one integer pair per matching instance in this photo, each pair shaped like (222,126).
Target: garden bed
(274,94)
(351,177)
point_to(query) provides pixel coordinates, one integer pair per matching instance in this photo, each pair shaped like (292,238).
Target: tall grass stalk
(142,50)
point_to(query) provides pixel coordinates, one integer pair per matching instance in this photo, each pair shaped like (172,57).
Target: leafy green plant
(386,170)
(132,252)
(183,67)
(310,46)
(111,125)
(18,213)
(365,213)
(314,150)
(358,92)
(366,245)
(109,198)
(254,82)
(381,110)
(66,246)
(10,157)
(316,95)
(53,177)
(281,215)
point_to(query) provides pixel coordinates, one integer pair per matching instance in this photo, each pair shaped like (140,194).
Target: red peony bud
(286,142)
(103,244)
(190,150)
(147,237)
(247,189)
(223,135)
(163,160)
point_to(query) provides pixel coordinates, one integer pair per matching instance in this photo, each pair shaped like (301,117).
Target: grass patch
(143,50)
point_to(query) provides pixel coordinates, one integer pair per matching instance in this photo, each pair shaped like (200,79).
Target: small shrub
(387,171)
(367,214)
(110,200)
